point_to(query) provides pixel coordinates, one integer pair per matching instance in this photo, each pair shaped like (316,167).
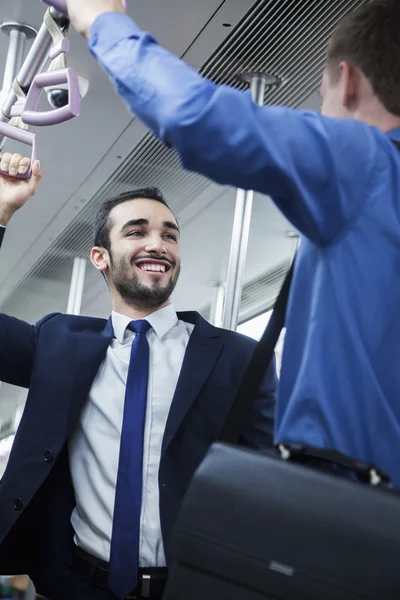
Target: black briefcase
(255,527)
(290,525)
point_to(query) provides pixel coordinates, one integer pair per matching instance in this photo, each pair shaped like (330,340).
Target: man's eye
(135,233)
(171,236)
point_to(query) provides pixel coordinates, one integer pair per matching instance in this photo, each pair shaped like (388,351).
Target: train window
(254,328)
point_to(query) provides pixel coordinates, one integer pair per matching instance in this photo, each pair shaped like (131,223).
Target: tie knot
(141,326)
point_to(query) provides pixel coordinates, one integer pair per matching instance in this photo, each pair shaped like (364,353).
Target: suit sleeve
(17,349)
(258,432)
(17,346)
(306,162)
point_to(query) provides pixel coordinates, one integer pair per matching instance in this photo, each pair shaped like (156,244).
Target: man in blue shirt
(335,176)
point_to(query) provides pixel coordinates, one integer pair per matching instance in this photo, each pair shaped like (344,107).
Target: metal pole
(295,237)
(237,259)
(18,33)
(76,288)
(241,223)
(14,56)
(33,64)
(217,308)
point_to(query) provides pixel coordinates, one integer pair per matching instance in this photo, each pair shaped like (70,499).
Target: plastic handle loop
(62,7)
(52,117)
(25,137)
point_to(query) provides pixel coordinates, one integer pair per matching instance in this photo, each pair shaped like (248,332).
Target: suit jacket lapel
(91,349)
(201,355)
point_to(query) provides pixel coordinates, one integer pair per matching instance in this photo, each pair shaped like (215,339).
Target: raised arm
(304,161)
(17,338)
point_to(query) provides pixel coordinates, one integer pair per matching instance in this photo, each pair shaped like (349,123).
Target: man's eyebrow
(142,222)
(171,225)
(133,223)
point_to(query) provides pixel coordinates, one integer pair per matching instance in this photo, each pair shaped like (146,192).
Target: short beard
(135,293)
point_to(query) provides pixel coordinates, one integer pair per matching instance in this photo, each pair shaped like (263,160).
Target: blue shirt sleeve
(310,165)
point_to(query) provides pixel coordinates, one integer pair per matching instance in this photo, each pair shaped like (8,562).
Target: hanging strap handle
(257,367)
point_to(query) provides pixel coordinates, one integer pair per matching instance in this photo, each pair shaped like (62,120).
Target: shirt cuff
(110,28)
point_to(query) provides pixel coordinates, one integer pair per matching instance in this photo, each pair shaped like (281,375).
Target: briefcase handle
(365,472)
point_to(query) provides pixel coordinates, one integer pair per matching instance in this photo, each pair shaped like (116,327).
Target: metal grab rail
(28,80)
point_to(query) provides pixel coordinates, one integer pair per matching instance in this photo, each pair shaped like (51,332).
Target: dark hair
(369,38)
(102,224)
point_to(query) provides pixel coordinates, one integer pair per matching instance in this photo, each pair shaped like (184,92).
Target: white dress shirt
(94,447)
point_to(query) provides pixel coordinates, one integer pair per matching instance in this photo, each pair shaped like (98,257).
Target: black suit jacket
(58,359)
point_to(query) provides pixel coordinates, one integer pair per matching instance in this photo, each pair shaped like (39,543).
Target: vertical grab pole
(17,33)
(241,223)
(76,287)
(295,237)
(237,258)
(217,307)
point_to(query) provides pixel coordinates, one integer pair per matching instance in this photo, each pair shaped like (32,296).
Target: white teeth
(151,267)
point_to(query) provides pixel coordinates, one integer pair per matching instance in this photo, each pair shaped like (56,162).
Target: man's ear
(350,76)
(100,258)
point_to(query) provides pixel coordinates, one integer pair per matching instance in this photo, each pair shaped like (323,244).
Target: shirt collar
(394,134)
(161,321)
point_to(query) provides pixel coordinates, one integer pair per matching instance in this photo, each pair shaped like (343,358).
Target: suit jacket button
(48,456)
(18,504)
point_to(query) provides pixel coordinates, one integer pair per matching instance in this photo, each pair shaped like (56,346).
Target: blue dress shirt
(338,182)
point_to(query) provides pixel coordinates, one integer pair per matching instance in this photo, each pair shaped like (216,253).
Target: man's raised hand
(83,13)
(15,192)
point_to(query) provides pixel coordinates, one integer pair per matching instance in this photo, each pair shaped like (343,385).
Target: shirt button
(48,456)
(18,504)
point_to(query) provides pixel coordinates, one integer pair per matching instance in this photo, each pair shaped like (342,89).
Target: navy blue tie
(124,556)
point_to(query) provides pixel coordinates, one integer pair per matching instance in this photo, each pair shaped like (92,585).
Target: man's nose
(155,243)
